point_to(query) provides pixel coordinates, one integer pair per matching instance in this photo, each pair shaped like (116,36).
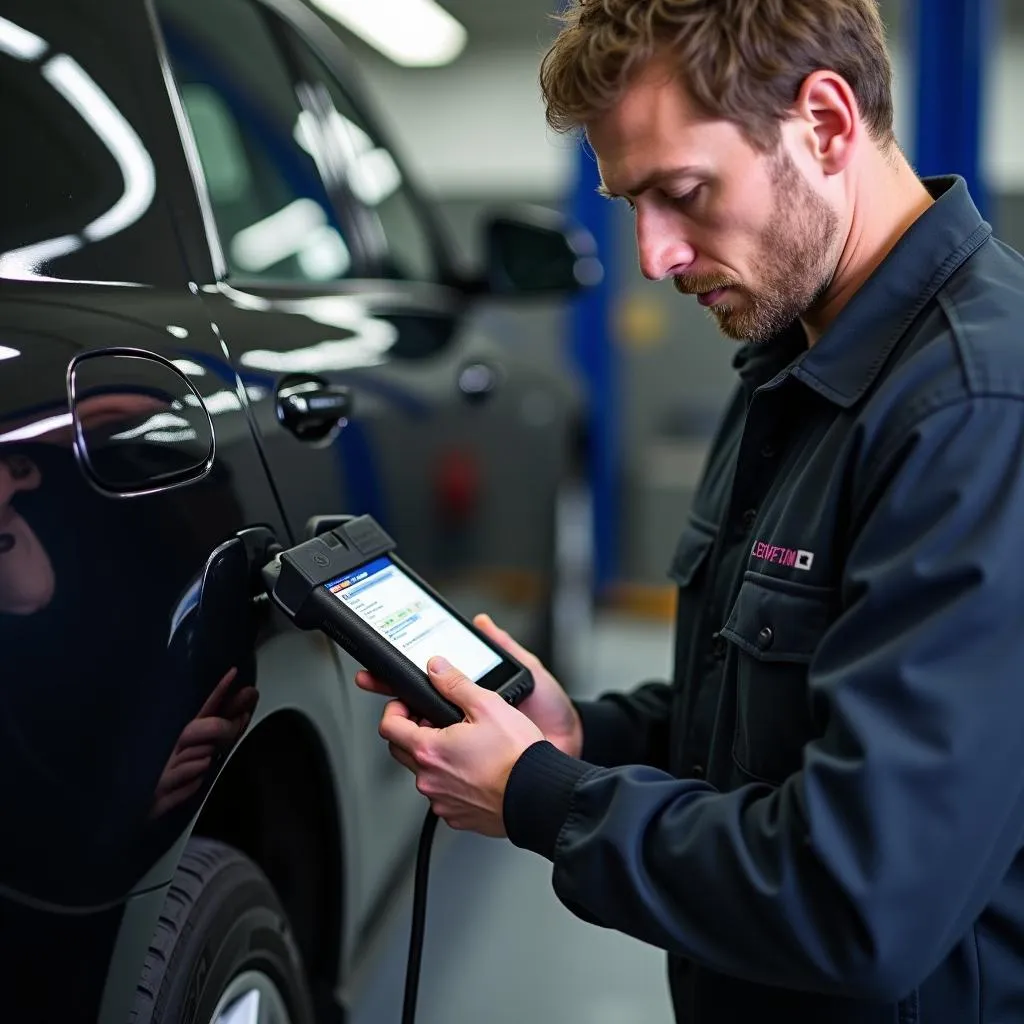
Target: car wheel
(223,951)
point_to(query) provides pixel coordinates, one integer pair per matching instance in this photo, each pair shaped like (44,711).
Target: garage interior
(562,429)
(672,374)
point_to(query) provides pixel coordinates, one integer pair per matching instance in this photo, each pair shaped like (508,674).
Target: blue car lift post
(949,42)
(593,353)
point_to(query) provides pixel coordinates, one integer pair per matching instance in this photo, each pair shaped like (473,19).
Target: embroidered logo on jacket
(783,556)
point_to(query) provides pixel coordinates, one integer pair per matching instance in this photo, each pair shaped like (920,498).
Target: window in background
(1003,147)
(275,219)
(375,181)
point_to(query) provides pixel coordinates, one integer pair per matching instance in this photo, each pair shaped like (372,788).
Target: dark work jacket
(821,818)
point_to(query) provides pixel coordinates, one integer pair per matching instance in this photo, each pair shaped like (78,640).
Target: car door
(292,312)
(447,424)
(126,459)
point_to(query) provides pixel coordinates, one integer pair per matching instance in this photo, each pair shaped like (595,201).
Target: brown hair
(741,60)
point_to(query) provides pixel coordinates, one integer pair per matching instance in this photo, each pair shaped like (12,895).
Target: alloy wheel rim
(251,998)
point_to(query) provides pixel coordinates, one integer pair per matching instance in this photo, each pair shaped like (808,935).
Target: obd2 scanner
(347,581)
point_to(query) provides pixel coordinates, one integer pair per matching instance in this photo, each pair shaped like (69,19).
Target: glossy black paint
(154,448)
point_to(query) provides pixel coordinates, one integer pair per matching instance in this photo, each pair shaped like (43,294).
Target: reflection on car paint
(365,342)
(204,743)
(299,229)
(78,88)
(130,664)
(260,385)
(26,572)
(109,773)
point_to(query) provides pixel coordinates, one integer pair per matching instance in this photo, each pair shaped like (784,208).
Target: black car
(224,313)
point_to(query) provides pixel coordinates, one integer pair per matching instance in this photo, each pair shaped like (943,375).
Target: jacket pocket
(775,626)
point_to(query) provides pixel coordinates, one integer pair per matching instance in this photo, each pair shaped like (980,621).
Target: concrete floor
(500,948)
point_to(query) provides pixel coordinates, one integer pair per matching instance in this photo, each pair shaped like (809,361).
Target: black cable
(419,918)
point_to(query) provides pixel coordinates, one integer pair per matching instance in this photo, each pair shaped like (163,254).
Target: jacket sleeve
(860,873)
(627,728)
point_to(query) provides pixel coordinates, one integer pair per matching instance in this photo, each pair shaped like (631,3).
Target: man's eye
(688,198)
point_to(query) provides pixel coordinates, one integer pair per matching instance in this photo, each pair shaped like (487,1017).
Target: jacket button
(718,646)
(697,771)
(766,638)
(768,450)
(749,518)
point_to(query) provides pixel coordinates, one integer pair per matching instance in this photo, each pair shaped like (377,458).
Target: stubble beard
(797,253)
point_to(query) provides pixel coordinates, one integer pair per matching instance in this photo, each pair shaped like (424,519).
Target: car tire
(222,936)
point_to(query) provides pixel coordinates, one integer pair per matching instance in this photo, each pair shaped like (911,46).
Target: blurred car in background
(225,311)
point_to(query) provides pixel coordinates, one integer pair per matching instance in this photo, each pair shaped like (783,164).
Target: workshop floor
(500,948)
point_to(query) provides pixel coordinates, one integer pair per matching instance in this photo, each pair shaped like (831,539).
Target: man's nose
(8,485)
(661,244)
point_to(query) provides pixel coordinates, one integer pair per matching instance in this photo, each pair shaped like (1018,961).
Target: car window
(82,196)
(273,213)
(374,179)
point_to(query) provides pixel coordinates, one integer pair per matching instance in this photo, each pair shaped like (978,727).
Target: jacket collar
(845,362)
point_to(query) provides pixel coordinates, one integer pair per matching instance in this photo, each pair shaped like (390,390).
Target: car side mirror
(535,251)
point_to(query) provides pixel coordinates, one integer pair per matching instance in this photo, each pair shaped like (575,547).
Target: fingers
(242,704)
(215,699)
(183,774)
(208,730)
(184,754)
(373,685)
(451,683)
(404,759)
(397,726)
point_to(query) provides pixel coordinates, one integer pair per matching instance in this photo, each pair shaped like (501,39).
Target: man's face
(742,230)
(27,581)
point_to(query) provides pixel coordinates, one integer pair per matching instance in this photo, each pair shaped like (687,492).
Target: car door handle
(478,381)
(311,408)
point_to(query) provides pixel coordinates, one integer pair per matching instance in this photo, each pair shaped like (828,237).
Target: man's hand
(213,731)
(547,707)
(463,769)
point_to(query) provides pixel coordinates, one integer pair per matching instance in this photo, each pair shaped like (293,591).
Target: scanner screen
(411,620)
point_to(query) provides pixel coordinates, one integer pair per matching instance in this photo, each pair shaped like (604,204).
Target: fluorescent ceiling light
(161,421)
(217,403)
(188,367)
(298,229)
(44,426)
(27,261)
(97,110)
(19,42)
(171,436)
(125,146)
(350,354)
(414,33)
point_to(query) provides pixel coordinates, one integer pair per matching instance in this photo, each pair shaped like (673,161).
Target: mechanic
(821,818)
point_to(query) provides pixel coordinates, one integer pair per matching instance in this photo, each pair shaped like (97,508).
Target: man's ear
(828,109)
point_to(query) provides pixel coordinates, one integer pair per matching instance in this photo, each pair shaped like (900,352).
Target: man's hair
(742,61)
